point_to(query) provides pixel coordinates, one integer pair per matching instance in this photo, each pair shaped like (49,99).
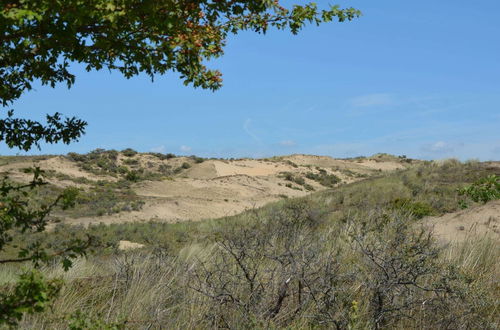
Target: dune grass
(352,257)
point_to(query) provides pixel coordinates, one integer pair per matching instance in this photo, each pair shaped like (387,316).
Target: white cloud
(288,143)
(438,147)
(185,148)
(372,100)
(160,149)
(246,128)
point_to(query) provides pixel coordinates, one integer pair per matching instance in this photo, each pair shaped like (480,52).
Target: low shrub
(197,159)
(162,156)
(130,161)
(483,190)
(296,178)
(323,178)
(418,209)
(129,152)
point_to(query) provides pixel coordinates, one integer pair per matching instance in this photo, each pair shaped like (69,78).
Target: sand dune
(209,188)
(457,226)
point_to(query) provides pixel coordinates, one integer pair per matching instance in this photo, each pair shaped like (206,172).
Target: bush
(483,190)
(418,209)
(98,161)
(133,176)
(196,159)
(293,178)
(106,198)
(129,152)
(165,169)
(308,187)
(75,157)
(131,161)
(162,156)
(323,178)
(292,164)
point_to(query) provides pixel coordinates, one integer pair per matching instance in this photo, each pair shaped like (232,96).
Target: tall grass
(290,269)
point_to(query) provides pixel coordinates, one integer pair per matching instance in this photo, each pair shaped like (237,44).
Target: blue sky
(419,78)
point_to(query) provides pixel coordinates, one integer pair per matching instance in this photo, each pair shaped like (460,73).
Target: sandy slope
(212,188)
(457,226)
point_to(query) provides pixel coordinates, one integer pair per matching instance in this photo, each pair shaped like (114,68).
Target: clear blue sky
(420,78)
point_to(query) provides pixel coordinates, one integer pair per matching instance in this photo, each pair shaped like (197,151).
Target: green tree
(39,39)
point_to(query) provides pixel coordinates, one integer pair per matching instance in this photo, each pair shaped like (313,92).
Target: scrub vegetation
(354,257)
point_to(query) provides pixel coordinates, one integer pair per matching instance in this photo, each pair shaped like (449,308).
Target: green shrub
(323,178)
(75,157)
(165,169)
(292,164)
(162,156)
(98,161)
(131,161)
(418,209)
(133,176)
(106,198)
(129,152)
(287,176)
(308,187)
(196,159)
(296,178)
(483,190)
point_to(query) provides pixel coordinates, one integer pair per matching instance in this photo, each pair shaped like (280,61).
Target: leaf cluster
(40,39)
(483,190)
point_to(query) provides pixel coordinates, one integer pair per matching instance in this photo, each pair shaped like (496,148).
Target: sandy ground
(213,188)
(128,245)
(457,226)
(217,188)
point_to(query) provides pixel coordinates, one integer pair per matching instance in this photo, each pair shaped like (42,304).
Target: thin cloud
(160,149)
(185,148)
(246,128)
(372,100)
(288,143)
(438,147)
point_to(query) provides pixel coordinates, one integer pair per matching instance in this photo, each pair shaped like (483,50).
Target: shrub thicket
(323,178)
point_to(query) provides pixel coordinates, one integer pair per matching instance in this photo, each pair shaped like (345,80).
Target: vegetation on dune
(162,156)
(107,162)
(351,257)
(97,198)
(323,178)
(429,188)
(295,178)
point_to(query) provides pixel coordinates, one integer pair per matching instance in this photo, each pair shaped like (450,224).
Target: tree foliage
(41,38)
